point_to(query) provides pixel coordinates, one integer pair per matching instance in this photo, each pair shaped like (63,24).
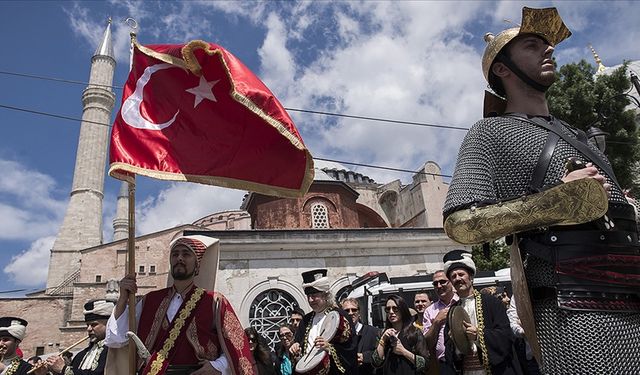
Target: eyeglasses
(285,335)
(351,310)
(391,309)
(440,282)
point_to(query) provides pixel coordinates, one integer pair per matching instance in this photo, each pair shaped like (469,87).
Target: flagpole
(131,240)
(131,270)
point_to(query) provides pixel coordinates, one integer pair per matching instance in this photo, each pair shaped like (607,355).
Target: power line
(109,125)
(56,79)
(324,113)
(382,167)
(378,119)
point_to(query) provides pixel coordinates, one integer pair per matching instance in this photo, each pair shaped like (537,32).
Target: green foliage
(499,252)
(583,101)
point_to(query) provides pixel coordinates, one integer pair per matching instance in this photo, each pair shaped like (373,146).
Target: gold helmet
(545,23)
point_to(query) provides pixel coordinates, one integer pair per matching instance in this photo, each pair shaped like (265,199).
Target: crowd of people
(186,329)
(575,306)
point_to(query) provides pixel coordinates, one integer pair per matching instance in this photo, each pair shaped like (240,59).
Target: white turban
(15,329)
(321,284)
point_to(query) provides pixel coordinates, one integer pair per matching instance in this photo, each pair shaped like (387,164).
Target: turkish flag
(196,113)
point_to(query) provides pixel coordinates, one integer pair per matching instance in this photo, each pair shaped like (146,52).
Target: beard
(181,273)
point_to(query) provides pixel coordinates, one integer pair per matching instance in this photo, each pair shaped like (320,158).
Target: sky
(404,60)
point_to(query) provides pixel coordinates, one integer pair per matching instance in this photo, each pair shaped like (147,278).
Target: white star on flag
(204,90)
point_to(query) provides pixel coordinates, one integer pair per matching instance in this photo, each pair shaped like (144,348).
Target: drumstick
(61,353)
(305,357)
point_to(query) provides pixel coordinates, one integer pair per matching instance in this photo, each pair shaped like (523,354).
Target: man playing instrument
(12,332)
(342,349)
(488,333)
(187,329)
(91,360)
(574,228)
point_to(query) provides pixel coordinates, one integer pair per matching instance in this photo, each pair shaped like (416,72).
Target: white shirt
(117,329)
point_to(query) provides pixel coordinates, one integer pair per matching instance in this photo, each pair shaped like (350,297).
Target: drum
(317,361)
(457,317)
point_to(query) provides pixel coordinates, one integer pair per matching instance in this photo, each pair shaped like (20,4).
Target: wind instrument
(43,363)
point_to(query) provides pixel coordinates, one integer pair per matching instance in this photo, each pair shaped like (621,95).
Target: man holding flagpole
(187,329)
(194,112)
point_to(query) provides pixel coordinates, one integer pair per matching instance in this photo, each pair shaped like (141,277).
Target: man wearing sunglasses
(366,336)
(435,316)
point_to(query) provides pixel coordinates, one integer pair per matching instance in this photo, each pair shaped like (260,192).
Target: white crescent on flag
(131,106)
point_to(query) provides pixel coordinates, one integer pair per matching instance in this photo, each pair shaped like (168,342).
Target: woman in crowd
(284,363)
(260,352)
(401,349)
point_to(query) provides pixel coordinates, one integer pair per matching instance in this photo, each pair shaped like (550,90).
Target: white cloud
(184,203)
(411,64)
(35,259)
(29,207)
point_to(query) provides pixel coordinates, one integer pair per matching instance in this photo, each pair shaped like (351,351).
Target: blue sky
(413,61)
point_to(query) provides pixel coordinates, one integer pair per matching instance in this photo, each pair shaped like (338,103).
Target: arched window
(319,216)
(268,311)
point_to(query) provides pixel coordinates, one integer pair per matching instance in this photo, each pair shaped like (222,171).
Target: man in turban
(488,341)
(12,332)
(92,359)
(186,328)
(341,351)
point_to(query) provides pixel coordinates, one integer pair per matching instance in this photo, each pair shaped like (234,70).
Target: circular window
(268,311)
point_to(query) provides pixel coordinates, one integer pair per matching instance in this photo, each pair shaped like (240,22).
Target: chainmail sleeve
(473,179)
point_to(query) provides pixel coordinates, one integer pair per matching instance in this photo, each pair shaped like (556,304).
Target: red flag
(194,112)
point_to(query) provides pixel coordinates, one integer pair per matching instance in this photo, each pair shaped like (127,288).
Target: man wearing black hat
(92,359)
(521,171)
(486,346)
(342,348)
(12,332)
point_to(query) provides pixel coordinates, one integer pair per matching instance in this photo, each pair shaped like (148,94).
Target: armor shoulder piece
(571,203)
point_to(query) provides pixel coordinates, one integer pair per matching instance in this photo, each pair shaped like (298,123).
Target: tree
(499,256)
(583,100)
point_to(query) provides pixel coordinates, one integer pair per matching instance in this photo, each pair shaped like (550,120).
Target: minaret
(82,225)
(601,67)
(121,221)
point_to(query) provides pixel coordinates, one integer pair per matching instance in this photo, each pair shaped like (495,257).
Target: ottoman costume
(581,253)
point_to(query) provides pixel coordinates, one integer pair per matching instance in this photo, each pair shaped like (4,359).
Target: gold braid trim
(190,58)
(483,345)
(336,359)
(13,367)
(162,355)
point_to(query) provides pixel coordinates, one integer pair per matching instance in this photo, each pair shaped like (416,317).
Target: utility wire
(109,125)
(368,118)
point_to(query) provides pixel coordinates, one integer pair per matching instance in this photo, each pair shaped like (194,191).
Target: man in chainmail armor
(524,173)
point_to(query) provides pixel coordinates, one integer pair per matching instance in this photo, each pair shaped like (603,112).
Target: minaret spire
(105,48)
(82,224)
(121,221)
(601,67)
